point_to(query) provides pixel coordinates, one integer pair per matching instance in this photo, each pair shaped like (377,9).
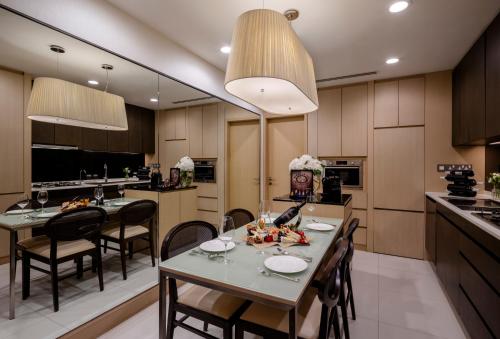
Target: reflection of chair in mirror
(70,236)
(210,306)
(132,217)
(240,216)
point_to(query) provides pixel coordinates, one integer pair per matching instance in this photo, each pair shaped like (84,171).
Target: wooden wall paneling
(42,132)
(330,122)
(210,141)
(399,168)
(386,104)
(195,131)
(399,233)
(355,120)
(11,132)
(411,101)
(312,134)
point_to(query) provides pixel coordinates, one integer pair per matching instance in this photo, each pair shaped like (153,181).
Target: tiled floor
(395,298)
(79,300)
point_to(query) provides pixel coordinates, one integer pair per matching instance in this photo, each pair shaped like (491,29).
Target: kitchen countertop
(318,200)
(89,184)
(148,188)
(467,215)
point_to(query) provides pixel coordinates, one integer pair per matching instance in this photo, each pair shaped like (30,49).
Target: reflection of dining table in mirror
(248,275)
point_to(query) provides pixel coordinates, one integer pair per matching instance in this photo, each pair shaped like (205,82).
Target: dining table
(17,222)
(243,276)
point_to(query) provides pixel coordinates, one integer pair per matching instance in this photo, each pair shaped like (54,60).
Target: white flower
(307,162)
(185,164)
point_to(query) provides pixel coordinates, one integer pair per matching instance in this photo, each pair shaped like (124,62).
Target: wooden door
(285,141)
(243,165)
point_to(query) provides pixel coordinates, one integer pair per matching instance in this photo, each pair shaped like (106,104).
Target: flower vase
(495,193)
(316,183)
(186,178)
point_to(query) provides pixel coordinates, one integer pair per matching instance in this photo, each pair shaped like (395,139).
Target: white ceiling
(28,50)
(343,36)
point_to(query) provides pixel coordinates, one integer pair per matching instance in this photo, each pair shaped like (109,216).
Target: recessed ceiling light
(225,49)
(153,99)
(93,82)
(391,61)
(399,6)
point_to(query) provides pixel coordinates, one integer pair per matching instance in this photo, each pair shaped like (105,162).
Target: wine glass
(43,196)
(121,190)
(265,212)
(311,206)
(98,194)
(226,234)
(23,203)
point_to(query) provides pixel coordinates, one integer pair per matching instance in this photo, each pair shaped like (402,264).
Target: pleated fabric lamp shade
(269,67)
(62,102)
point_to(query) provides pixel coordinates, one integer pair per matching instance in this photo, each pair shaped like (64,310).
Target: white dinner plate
(26,210)
(120,203)
(320,227)
(216,245)
(285,264)
(46,215)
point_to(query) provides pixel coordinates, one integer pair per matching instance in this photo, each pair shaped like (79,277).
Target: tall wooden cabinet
(329,123)
(195,131)
(493,80)
(355,120)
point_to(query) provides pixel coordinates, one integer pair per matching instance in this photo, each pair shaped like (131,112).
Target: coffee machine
(331,189)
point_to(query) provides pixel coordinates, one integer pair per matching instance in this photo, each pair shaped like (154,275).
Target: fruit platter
(71,205)
(262,236)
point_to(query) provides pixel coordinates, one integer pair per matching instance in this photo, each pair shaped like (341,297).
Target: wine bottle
(289,214)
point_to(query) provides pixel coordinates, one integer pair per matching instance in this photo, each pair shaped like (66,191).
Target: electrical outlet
(453,167)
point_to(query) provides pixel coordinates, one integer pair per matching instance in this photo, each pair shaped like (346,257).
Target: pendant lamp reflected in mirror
(269,67)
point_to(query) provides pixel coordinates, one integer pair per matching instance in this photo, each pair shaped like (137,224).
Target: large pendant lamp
(269,67)
(66,103)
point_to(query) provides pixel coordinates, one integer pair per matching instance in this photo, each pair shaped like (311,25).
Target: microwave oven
(204,171)
(349,171)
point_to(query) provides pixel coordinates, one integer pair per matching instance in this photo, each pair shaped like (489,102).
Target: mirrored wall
(167,121)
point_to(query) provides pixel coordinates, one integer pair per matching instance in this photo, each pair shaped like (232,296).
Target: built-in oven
(204,171)
(350,172)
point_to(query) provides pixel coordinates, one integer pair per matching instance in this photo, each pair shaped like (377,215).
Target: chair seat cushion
(41,245)
(130,231)
(308,316)
(211,301)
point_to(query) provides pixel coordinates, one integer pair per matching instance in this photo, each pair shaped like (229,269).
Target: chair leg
(26,275)
(152,250)
(79,267)
(98,259)
(170,320)
(105,245)
(238,331)
(123,259)
(130,249)
(94,264)
(343,309)
(351,295)
(227,332)
(324,325)
(336,324)
(205,326)
(55,286)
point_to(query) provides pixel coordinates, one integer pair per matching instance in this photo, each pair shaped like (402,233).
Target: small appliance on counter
(462,183)
(156,177)
(143,173)
(332,190)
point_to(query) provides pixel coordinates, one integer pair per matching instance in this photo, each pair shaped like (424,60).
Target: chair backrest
(186,236)
(331,279)
(81,223)
(349,235)
(138,212)
(240,216)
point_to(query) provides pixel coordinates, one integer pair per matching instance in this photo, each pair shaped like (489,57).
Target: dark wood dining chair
(132,218)
(240,216)
(210,306)
(350,253)
(317,310)
(69,236)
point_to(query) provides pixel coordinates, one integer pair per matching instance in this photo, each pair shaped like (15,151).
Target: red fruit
(268,238)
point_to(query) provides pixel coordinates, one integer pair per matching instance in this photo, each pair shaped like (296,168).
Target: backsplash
(492,162)
(63,165)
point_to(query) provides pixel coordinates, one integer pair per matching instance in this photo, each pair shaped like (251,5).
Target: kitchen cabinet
(195,131)
(11,132)
(386,104)
(94,139)
(430,230)
(411,101)
(170,153)
(42,133)
(399,168)
(148,132)
(355,120)
(134,114)
(329,122)
(447,256)
(67,135)
(210,140)
(118,141)
(173,124)
(492,86)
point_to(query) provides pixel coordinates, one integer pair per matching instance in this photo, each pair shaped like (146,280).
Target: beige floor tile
(405,264)
(387,331)
(363,328)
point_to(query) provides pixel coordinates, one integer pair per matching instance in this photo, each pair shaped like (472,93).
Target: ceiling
(28,51)
(343,36)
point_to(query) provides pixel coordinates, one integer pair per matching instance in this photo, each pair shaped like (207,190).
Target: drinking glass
(42,197)
(265,211)
(311,206)
(121,190)
(226,234)
(23,203)
(98,194)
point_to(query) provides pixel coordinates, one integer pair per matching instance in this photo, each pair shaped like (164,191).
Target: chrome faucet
(84,171)
(105,172)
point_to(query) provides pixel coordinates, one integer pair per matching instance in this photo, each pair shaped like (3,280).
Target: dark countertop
(318,199)
(147,187)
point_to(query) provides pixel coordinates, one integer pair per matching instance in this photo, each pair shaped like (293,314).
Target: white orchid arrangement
(185,164)
(307,162)
(494,179)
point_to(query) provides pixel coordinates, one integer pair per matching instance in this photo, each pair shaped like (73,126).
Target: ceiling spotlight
(399,6)
(391,61)
(93,82)
(153,99)
(225,49)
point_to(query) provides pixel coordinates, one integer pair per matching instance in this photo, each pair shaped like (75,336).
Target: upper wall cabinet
(329,122)
(173,124)
(355,120)
(386,104)
(195,131)
(42,133)
(210,140)
(493,80)
(202,131)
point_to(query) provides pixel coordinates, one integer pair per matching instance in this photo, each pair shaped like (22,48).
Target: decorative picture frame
(175,177)
(301,183)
